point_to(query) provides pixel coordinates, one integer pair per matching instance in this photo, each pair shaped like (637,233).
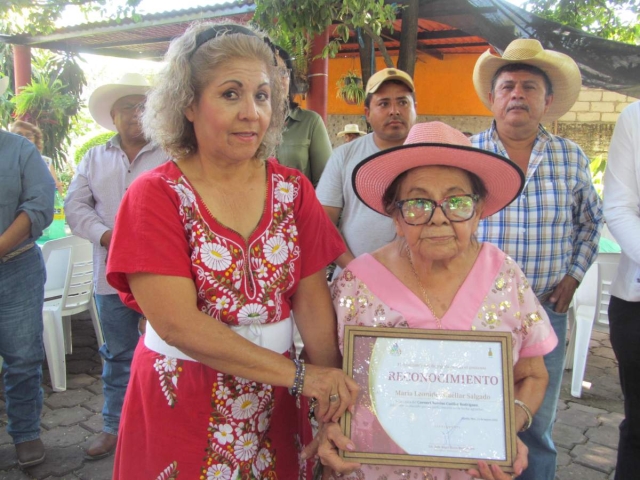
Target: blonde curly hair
(188,71)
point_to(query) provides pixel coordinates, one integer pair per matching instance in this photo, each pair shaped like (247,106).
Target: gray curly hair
(189,69)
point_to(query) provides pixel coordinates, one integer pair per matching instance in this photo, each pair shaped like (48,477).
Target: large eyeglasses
(457,208)
(284,72)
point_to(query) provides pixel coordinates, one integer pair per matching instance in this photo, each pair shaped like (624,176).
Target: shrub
(92,142)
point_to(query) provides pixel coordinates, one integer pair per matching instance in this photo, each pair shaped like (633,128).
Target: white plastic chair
(70,259)
(590,304)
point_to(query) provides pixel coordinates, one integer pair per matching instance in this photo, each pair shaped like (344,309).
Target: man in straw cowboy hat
(551,230)
(102,178)
(26,188)
(351,132)
(390,109)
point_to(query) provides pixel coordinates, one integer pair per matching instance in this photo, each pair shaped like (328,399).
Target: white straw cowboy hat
(351,128)
(438,144)
(562,71)
(4,83)
(103,97)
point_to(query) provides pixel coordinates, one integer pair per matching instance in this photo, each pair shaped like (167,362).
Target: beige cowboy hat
(562,71)
(437,144)
(351,128)
(103,97)
(4,83)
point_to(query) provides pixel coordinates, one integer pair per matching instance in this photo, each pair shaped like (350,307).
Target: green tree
(612,19)
(40,16)
(296,22)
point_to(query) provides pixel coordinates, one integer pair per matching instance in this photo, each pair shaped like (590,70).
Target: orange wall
(443,87)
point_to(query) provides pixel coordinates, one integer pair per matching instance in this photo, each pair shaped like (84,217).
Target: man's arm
(620,182)
(80,209)
(319,149)
(334,215)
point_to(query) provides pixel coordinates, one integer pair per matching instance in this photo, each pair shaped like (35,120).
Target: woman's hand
(493,472)
(326,444)
(332,388)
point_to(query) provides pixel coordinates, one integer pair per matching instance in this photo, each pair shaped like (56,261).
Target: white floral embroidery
(187,197)
(263,460)
(246,446)
(245,406)
(223,392)
(223,303)
(263,420)
(224,434)
(262,271)
(219,472)
(166,364)
(215,256)
(276,250)
(252,313)
(284,192)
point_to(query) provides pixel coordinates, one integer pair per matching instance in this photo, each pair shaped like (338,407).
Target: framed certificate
(430,398)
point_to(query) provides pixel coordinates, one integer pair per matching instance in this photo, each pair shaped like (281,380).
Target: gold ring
(334,398)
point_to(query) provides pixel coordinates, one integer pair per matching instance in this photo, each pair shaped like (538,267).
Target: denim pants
(21,297)
(120,329)
(624,325)
(542,451)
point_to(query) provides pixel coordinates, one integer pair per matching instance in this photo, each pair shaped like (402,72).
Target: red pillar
(21,66)
(318,77)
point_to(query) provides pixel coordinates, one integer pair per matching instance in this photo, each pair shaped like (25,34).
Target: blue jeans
(21,297)
(542,451)
(120,329)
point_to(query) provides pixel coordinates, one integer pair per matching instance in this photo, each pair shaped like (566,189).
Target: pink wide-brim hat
(438,144)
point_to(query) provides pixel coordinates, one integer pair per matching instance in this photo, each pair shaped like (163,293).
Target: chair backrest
(77,273)
(607,268)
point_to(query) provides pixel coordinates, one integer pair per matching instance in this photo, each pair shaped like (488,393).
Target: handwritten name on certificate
(431,398)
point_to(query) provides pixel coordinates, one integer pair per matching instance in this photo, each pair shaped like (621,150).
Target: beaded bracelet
(524,407)
(298,381)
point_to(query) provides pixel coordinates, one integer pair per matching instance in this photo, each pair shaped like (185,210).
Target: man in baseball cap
(552,229)
(102,178)
(390,109)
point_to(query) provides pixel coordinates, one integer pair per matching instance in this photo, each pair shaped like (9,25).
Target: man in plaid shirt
(553,227)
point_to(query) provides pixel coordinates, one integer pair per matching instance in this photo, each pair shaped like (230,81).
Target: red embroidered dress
(182,419)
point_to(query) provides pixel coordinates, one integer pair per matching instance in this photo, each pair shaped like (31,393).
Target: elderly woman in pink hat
(436,275)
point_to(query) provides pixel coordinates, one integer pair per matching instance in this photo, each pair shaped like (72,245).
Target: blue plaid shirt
(553,227)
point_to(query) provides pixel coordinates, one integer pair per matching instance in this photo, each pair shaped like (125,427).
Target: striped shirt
(95,193)
(552,229)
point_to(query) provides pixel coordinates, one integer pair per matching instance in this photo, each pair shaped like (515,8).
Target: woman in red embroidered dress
(216,249)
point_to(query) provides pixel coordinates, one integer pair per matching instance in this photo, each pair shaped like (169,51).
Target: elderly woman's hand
(493,472)
(333,390)
(326,444)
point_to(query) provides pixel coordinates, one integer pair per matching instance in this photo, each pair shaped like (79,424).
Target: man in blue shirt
(26,208)
(552,229)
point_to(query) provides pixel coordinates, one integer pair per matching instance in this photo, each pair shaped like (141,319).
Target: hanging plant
(44,103)
(350,88)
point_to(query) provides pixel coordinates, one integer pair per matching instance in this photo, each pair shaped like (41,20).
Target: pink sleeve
(149,235)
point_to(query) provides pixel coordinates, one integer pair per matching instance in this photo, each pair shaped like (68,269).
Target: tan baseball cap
(378,78)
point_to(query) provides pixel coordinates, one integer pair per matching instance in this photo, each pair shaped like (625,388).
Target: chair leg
(583,337)
(68,342)
(96,321)
(53,337)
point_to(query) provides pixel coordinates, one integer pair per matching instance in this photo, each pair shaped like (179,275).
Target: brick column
(318,77)
(21,66)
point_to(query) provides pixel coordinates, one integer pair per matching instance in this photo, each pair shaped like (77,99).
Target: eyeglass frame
(284,72)
(474,197)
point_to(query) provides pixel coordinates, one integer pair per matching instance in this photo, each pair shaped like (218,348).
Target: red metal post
(318,77)
(21,66)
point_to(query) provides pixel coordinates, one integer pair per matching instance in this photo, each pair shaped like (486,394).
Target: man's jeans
(21,297)
(542,451)
(120,329)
